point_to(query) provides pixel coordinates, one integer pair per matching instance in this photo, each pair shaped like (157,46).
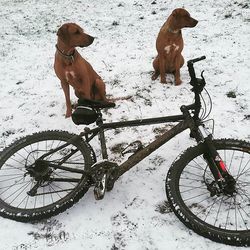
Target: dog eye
(77,32)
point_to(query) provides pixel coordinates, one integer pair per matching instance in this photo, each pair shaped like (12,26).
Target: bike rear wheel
(220,217)
(31,191)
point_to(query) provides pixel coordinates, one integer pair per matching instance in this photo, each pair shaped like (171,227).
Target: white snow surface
(32,100)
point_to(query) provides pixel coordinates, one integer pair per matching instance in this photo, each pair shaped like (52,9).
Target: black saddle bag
(84,115)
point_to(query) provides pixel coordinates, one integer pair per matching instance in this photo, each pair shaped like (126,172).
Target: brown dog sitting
(169,45)
(72,69)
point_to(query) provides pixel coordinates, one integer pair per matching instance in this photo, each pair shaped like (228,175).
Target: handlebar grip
(196,60)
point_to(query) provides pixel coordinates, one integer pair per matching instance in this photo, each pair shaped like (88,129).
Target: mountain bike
(45,173)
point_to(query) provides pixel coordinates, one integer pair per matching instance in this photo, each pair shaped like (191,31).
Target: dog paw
(154,76)
(178,82)
(68,113)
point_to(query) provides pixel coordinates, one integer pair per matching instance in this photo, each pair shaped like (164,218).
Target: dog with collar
(72,69)
(169,45)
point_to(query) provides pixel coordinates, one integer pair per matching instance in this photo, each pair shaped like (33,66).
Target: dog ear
(62,33)
(175,13)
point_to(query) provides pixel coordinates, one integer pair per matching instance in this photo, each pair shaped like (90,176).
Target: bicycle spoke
(31,152)
(13,178)
(18,168)
(189,173)
(218,212)
(239,167)
(199,195)
(244,193)
(190,179)
(192,188)
(14,184)
(60,189)
(244,223)
(21,188)
(210,206)
(227,218)
(64,190)
(55,192)
(242,173)
(230,164)
(197,165)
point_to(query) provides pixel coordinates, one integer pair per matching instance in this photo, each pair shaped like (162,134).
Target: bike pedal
(133,147)
(100,188)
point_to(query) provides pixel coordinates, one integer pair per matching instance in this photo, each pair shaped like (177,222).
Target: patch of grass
(117,148)
(159,131)
(115,23)
(231,94)
(163,207)
(247,117)
(51,231)
(228,15)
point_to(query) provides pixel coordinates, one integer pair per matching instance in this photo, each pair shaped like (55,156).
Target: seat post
(99,123)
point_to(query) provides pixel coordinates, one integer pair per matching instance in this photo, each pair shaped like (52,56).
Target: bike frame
(185,121)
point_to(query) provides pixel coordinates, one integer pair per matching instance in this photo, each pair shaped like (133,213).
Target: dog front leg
(162,69)
(178,64)
(99,90)
(65,87)
(177,76)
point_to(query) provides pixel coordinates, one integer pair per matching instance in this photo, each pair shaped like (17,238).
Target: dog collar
(174,31)
(69,57)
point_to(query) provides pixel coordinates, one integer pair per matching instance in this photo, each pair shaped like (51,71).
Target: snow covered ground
(132,216)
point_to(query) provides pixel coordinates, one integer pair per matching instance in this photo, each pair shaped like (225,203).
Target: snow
(122,53)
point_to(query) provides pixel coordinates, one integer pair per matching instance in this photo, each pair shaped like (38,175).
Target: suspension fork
(213,159)
(216,164)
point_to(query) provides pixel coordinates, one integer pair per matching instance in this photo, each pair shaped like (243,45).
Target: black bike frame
(185,121)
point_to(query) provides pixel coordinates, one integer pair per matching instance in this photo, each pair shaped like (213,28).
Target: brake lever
(200,84)
(203,82)
(203,76)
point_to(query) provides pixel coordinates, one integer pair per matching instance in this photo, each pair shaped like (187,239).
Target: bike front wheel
(218,216)
(32,190)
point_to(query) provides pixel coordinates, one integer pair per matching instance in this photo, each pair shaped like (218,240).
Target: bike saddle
(95,103)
